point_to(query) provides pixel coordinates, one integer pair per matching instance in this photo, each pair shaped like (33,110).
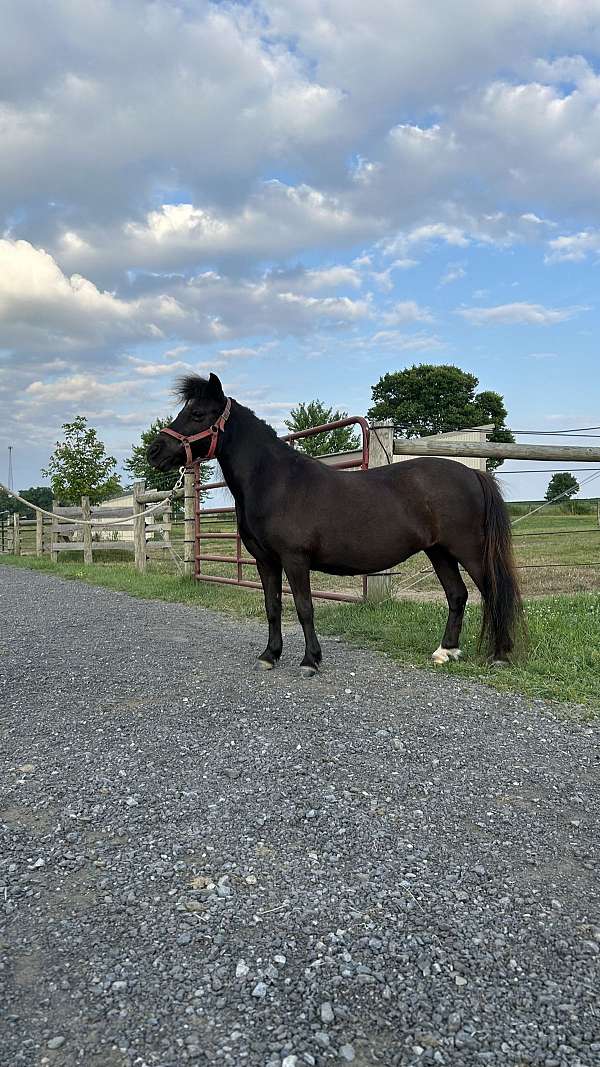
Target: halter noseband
(212,432)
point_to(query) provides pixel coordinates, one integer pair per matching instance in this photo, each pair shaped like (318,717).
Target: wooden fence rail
(492,450)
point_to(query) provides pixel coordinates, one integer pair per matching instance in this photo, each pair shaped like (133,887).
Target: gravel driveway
(204,864)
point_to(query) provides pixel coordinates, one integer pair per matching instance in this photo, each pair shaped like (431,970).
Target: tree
(8,504)
(40,495)
(79,466)
(139,466)
(305,416)
(427,399)
(563,484)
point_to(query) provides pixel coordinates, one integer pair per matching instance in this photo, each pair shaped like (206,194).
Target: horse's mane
(193,387)
(190,387)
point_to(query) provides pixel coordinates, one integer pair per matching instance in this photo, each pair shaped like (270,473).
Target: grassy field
(562,661)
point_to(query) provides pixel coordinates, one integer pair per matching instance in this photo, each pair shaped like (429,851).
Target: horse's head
(204,402)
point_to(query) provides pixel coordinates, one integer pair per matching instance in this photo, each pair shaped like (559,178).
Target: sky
(300,196)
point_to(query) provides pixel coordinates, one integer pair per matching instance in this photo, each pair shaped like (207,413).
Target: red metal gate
(205,516)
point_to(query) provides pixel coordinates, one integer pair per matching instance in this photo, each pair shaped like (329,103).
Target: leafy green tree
(562,484)
(305,416)
(8,504)
(79,466)
(427,399)
(40,495)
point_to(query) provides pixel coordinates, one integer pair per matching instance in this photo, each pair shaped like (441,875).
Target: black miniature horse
(297,515)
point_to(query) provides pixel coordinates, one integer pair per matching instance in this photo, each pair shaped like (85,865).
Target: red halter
(212,432)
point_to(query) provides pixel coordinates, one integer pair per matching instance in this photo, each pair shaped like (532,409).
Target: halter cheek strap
(212,432)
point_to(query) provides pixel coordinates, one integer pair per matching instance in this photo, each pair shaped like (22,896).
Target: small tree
(429,399)
(305,416)
(563,485)
(79,466)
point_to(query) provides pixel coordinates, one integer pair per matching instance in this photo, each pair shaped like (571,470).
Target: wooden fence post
(167,523)
(53,539)
(39,534)
(16,534)
(86,513)
(139,526)
(381,453)
(189,523)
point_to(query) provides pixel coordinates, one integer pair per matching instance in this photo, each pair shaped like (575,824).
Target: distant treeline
(565,507)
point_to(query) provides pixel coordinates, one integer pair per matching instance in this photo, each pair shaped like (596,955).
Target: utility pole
(10,468)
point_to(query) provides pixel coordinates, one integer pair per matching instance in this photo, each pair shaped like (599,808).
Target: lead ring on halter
(212,432)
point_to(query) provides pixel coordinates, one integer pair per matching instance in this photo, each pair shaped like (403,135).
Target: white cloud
(406,311)
(243,352)
(574,248)
(453,273)
(157,370)
(276,221)
(335,309)
(43,310)
(401,342)
(518,314)
(76,388)
(174,353)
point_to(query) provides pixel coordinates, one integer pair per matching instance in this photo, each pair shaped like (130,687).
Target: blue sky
(300,196)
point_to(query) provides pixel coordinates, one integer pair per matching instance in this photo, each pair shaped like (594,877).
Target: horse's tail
(502,606)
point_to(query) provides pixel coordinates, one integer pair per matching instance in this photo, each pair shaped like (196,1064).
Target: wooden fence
(50,536)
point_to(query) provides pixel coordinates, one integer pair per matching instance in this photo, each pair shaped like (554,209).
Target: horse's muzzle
(162,455)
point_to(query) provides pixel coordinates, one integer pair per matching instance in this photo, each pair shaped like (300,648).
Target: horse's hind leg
(270,576)
(298,575)
(446,568)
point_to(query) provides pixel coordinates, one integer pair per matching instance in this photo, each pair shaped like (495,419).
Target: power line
(557,433)
(576,432)
(551,470)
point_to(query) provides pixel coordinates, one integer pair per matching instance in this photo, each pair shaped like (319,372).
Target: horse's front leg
(270,576)
(298,575)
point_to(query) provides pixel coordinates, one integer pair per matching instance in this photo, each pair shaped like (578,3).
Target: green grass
(562,661)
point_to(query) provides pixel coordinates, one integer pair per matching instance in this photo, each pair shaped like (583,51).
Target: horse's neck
(245,445)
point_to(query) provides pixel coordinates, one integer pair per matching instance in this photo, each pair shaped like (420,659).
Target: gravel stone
(55,1042)
(327,1015)
(165,898)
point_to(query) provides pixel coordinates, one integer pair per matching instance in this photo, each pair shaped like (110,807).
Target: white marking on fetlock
(444,655)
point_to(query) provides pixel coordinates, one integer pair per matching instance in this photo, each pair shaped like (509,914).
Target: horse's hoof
(445,655)
(499,663)
(263,665)
(308,672)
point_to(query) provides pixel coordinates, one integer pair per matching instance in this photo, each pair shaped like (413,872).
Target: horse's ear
(215,386)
